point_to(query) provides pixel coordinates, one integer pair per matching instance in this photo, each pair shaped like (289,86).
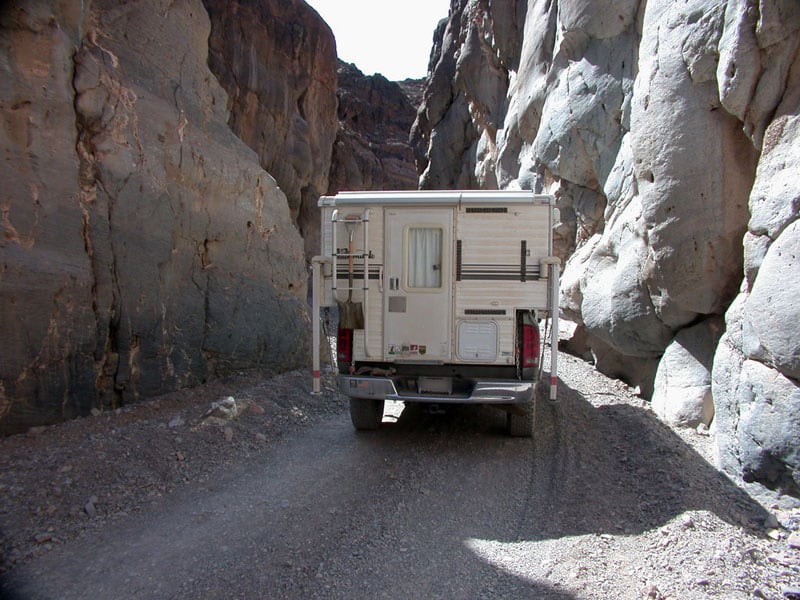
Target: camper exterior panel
(474,296)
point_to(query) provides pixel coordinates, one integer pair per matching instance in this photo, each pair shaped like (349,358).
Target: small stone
(256,409)
(261,437)
(687,523)
(95,412)
(180,457)
(224,409)
(794,540)
(774,534)
(89,508)
(771,522)
(43,538)
(228,434)
(176,421)
(37,430)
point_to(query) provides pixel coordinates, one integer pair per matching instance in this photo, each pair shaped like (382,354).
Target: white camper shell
(440,296)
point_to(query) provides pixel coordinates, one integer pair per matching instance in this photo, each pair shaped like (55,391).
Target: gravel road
(604,502)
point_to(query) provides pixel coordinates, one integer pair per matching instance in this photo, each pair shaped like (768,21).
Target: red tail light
(530,346)
(344,345)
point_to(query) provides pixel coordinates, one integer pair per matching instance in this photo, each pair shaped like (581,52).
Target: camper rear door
(418,290)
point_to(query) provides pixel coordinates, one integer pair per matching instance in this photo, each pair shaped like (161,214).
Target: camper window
(424,257)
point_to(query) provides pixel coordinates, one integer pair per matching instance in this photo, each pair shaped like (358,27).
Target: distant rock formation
(372,150)
(143,247)
(669,134)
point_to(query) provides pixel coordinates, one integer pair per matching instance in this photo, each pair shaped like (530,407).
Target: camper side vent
(487,209)
(484,311)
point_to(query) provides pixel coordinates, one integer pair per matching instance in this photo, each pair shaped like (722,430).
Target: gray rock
(90,507)
(794,540)
(756,51)
(682,394)
(768,432)
(772,312)
(223,410)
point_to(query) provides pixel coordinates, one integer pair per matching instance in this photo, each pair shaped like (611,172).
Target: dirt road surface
(604,502)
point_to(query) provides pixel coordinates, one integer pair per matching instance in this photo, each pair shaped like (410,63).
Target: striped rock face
(144,247)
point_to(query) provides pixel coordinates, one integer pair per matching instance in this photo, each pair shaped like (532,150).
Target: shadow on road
(612,469)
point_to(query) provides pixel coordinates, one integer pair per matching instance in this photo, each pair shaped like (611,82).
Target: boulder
(755,375)
(682,390)
(694,166)
(771,312)
(768,440)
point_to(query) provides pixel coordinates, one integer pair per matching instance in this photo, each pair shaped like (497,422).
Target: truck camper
(440,298)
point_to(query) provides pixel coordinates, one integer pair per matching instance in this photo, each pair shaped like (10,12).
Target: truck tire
(366,413)
(522,423)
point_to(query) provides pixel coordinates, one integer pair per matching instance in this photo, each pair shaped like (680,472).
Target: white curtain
(424,257)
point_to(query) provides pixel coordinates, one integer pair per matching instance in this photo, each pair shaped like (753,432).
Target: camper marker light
(344,345)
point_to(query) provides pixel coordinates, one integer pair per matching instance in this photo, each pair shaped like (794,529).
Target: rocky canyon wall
(668,133)
(144,248)
(277,62)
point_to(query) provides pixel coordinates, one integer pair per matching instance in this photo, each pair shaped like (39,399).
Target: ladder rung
(359,220)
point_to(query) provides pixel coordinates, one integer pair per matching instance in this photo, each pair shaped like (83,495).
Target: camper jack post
(316,287)
(555,267)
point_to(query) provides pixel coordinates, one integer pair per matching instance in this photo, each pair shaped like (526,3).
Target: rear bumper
(495,391)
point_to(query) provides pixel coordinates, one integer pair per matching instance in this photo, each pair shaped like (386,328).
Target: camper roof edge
(431,197)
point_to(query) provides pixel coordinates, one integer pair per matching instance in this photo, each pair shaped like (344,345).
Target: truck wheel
(522,424)
(366,413)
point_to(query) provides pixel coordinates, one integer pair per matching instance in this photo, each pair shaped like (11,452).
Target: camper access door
(418,293)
